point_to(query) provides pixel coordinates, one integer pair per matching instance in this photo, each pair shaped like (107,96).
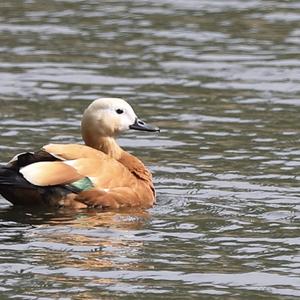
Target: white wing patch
(48,173)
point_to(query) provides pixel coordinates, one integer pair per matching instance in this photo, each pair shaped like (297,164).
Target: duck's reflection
(82,247)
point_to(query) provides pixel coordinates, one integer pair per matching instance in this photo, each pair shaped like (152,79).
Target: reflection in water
(221,78)
(71,246)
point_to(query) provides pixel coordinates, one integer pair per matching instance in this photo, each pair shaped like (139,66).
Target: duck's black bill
(141,125)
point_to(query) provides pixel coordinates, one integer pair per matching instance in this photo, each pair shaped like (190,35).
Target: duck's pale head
(107,117)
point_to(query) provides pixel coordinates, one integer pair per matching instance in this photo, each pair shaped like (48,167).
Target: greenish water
(222,80)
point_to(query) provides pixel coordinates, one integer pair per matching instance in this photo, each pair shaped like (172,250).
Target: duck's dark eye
(119,111)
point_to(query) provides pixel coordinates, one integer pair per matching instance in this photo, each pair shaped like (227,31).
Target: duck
(96,174)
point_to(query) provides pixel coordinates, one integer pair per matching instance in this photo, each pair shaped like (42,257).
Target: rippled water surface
(222,80)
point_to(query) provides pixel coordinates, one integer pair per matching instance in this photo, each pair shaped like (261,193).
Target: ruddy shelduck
(98,174)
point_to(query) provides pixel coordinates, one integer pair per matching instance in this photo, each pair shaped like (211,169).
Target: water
(222,80)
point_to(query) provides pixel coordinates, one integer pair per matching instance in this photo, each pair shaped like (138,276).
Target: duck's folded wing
(50,173)
(97,172)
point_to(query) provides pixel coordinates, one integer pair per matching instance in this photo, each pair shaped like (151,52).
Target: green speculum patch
(83,184)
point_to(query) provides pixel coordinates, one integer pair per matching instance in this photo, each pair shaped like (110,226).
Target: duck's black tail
(15,188)
(11,177)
